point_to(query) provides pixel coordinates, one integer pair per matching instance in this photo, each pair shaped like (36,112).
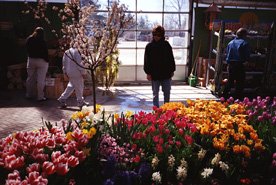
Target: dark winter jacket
(159,60)
(37,48)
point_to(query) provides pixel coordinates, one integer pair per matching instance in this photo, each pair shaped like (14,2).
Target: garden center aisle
(18,114)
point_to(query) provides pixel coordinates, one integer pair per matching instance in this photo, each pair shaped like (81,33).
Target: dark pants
(236,77)
(166,88)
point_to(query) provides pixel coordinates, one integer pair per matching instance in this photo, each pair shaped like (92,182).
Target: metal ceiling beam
(255,4)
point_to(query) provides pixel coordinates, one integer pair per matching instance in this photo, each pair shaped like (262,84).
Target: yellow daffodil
(128,114)
(69,136)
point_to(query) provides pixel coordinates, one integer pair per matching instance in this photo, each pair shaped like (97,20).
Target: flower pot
(192,80)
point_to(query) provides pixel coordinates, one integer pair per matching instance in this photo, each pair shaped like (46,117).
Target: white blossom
(216,159)
(201,154)
(154,162)
(156,177)
(207,172)
(183,163)
(223,166)
(171,162)
(181,173)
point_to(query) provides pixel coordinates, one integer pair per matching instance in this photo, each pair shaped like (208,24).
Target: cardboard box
(53,88)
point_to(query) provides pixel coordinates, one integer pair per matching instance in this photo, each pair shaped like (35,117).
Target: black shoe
(43,99)
(84,103)
(62,103)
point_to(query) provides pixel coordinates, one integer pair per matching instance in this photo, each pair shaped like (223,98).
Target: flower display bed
(194,143)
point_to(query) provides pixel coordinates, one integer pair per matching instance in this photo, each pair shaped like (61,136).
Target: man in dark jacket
(237,53)
(37,65)
(159,64)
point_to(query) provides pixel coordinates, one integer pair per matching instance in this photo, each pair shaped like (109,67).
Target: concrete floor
(18,113)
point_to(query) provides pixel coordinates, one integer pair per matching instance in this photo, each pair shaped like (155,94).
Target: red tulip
(159,149)
(189,139)
(137,159)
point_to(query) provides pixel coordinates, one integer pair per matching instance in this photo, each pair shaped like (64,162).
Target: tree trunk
(94,89)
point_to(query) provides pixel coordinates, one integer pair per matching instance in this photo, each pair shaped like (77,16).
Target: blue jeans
(166,88)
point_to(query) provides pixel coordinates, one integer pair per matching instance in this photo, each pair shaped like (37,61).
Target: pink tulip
(13,182)
(12,162)
(15,175)
(274,156)
(50,143)
(60,139)
(274,164)
(34,178)
(48,168)
(72,182)
(40,157)
(33,167)
(180,131)
(62,169)
(80,155)
(1,161)
(73,161)
(55,155)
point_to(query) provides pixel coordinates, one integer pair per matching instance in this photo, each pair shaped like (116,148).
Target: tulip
(62,169)
(33,167)
(73,161)
(48,168)
(274,156)
(15,175)
(274,163)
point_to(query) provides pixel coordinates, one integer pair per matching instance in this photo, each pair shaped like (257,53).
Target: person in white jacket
(72,69)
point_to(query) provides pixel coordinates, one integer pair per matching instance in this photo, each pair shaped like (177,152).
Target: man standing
(159,64)
(73,70)
(37,65)
(237,53)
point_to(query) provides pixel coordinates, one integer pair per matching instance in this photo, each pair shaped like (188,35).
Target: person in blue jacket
(159,64)
(237,53)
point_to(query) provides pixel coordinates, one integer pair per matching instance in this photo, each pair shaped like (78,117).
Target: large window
(172,14)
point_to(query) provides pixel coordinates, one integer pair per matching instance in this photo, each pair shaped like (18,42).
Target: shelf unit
(266,74)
